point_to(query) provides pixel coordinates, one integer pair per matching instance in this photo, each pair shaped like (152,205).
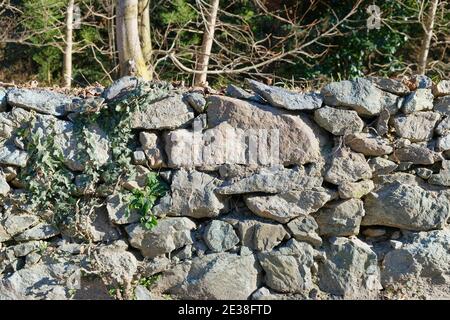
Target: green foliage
(147,282)
(144,199)
(51,185)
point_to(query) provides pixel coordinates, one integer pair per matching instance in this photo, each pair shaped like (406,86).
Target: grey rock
(23,249)
(41,231)
(443,127)
(424,173)
(119,265)
(422,81)
(419,100)
(12,156)
(40,282)
(443,143)
(220,236)
(169,113)
(268,236)
(355,190)
(423,262)
(196,100)
(117,211)
(305,229)
(255,233)
(153,149)
(393,86)
(442,105)
(407,207)
(338,121)
(416,127)
(350,270)
(361,95)
(120,88)
(192,194)
(273,181)
(15,224)
(347,166)
(382,124)
(368,144)
(382,166)
(67,141)
(342,218)
(220,276)
(442,178)
(289,271)
(239,93)
(282,98)
(442,88)
(40,100)
(168,235)
(139,157)
(4,186)
(374,232)
(156,265)
(2,99)
(286,206)
(416,154)
(301,138)
(142,294)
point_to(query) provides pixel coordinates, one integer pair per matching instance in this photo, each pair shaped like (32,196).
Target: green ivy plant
(144,199)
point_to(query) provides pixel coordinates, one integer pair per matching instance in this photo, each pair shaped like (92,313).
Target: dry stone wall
(259,194)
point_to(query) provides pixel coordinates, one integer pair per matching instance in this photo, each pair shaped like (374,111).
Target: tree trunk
(131,59)
(67,68)
(428,28)
(208,38)
(144,31)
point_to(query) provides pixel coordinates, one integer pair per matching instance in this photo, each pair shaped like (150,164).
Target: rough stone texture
(416,154)
(356,190)
(442,105)
(368,144)
(390,85)
(168,235)
(406,207)
(350,270)
(196,100)
(192,194)
(301,143)
(220,236)
(338,122)
(417,126)
(268,236)
(443,143)
(273,181)
(41,231)
(443,128)
(169,113)
(12,156)
(239,93)
(286,206)
(419,100)
(117,211)
(442,88)
(219,276)
(347,166)
(305,229)
(361,95)
(2,99)
(42,101)
(381,166)
(120,88)
(288,269)
(282,98)
(153,149)
(341,218)
(422,263)
(4,186)
(442,178)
